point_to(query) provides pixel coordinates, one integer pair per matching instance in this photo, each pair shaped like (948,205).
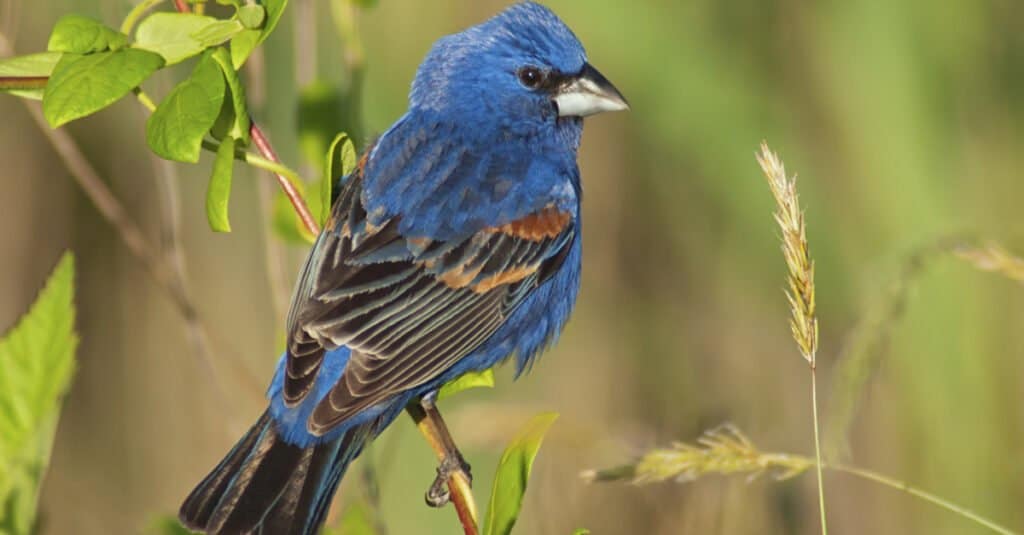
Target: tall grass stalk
(800,294)
(725,450)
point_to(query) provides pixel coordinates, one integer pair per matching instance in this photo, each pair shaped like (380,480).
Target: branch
(433,428)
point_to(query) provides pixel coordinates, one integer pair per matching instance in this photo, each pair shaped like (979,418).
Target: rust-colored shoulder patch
(547,223)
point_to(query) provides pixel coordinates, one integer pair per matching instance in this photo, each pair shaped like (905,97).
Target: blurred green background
(903,120)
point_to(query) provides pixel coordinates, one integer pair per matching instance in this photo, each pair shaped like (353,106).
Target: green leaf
(167,525)
(319,114)
(82,35)
(218,32)
(176,129)
(581,531)
(34,66)
(171,35)
(513,473)
(242,45)
(233,119)
(357,519)
(36,365)
(219,191)
(341,161)
(252,16)
(83,85)
(467,381)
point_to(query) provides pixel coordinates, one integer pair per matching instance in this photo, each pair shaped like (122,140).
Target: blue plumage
(455,245)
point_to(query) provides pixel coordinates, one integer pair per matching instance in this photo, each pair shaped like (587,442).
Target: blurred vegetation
(904,120)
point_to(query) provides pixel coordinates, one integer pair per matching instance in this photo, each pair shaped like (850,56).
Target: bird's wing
(408,307)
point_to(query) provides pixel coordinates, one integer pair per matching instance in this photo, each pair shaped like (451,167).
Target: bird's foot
(453,463)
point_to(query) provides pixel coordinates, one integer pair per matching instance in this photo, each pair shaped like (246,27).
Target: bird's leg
(453,470)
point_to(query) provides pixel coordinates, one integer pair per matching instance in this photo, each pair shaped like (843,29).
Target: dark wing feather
(408,307)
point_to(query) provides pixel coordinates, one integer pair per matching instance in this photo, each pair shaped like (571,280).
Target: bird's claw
(438,494)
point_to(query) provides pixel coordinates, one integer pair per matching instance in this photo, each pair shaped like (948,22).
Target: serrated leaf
(340,162)
(219,191)
(171,35)
(36,365)
(513,473)
(81,35)
(252,16)
(218,32)
(176,129)
(32,65)
(83,85)
(484,379)
(233,119)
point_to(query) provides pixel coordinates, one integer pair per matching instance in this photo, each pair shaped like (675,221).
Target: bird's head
(521,69)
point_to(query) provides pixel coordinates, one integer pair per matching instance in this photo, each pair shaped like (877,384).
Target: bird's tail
(267,486)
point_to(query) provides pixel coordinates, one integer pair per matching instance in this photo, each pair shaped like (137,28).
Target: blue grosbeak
(453,246)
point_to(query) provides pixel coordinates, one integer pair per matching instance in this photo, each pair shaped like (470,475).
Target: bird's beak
(588,93)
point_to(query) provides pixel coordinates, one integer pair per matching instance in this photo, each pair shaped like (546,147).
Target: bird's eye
(531,77)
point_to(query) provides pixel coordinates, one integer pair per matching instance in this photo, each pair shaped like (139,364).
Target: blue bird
(453,246)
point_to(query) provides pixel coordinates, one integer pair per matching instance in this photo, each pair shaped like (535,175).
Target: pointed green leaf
(32,66)
(242,45)
(252,16)
(171,35)
(82,35)
(36,365)
(357,519)
(233,119)
(176,129)
(466,381)
(341,161)
(83,85)
(513,474)
(219,191)
(245,41)
(218,32)
(319,114)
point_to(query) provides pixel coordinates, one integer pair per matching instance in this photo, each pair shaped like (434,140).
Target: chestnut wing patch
(408,307)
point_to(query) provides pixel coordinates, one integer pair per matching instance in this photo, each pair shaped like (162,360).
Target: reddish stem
(263,146)
(181,5)
(23,82)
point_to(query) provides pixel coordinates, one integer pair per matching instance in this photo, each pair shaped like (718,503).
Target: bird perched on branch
(453,246)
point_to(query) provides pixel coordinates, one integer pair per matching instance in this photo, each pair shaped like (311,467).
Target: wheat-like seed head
(992,257)
(723,450)
(790,218)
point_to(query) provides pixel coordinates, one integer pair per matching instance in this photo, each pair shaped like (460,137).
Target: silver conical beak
(587,94)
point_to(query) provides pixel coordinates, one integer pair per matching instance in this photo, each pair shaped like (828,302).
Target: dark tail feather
(265,485)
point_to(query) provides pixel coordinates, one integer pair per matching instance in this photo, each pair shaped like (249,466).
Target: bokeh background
(904,120)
